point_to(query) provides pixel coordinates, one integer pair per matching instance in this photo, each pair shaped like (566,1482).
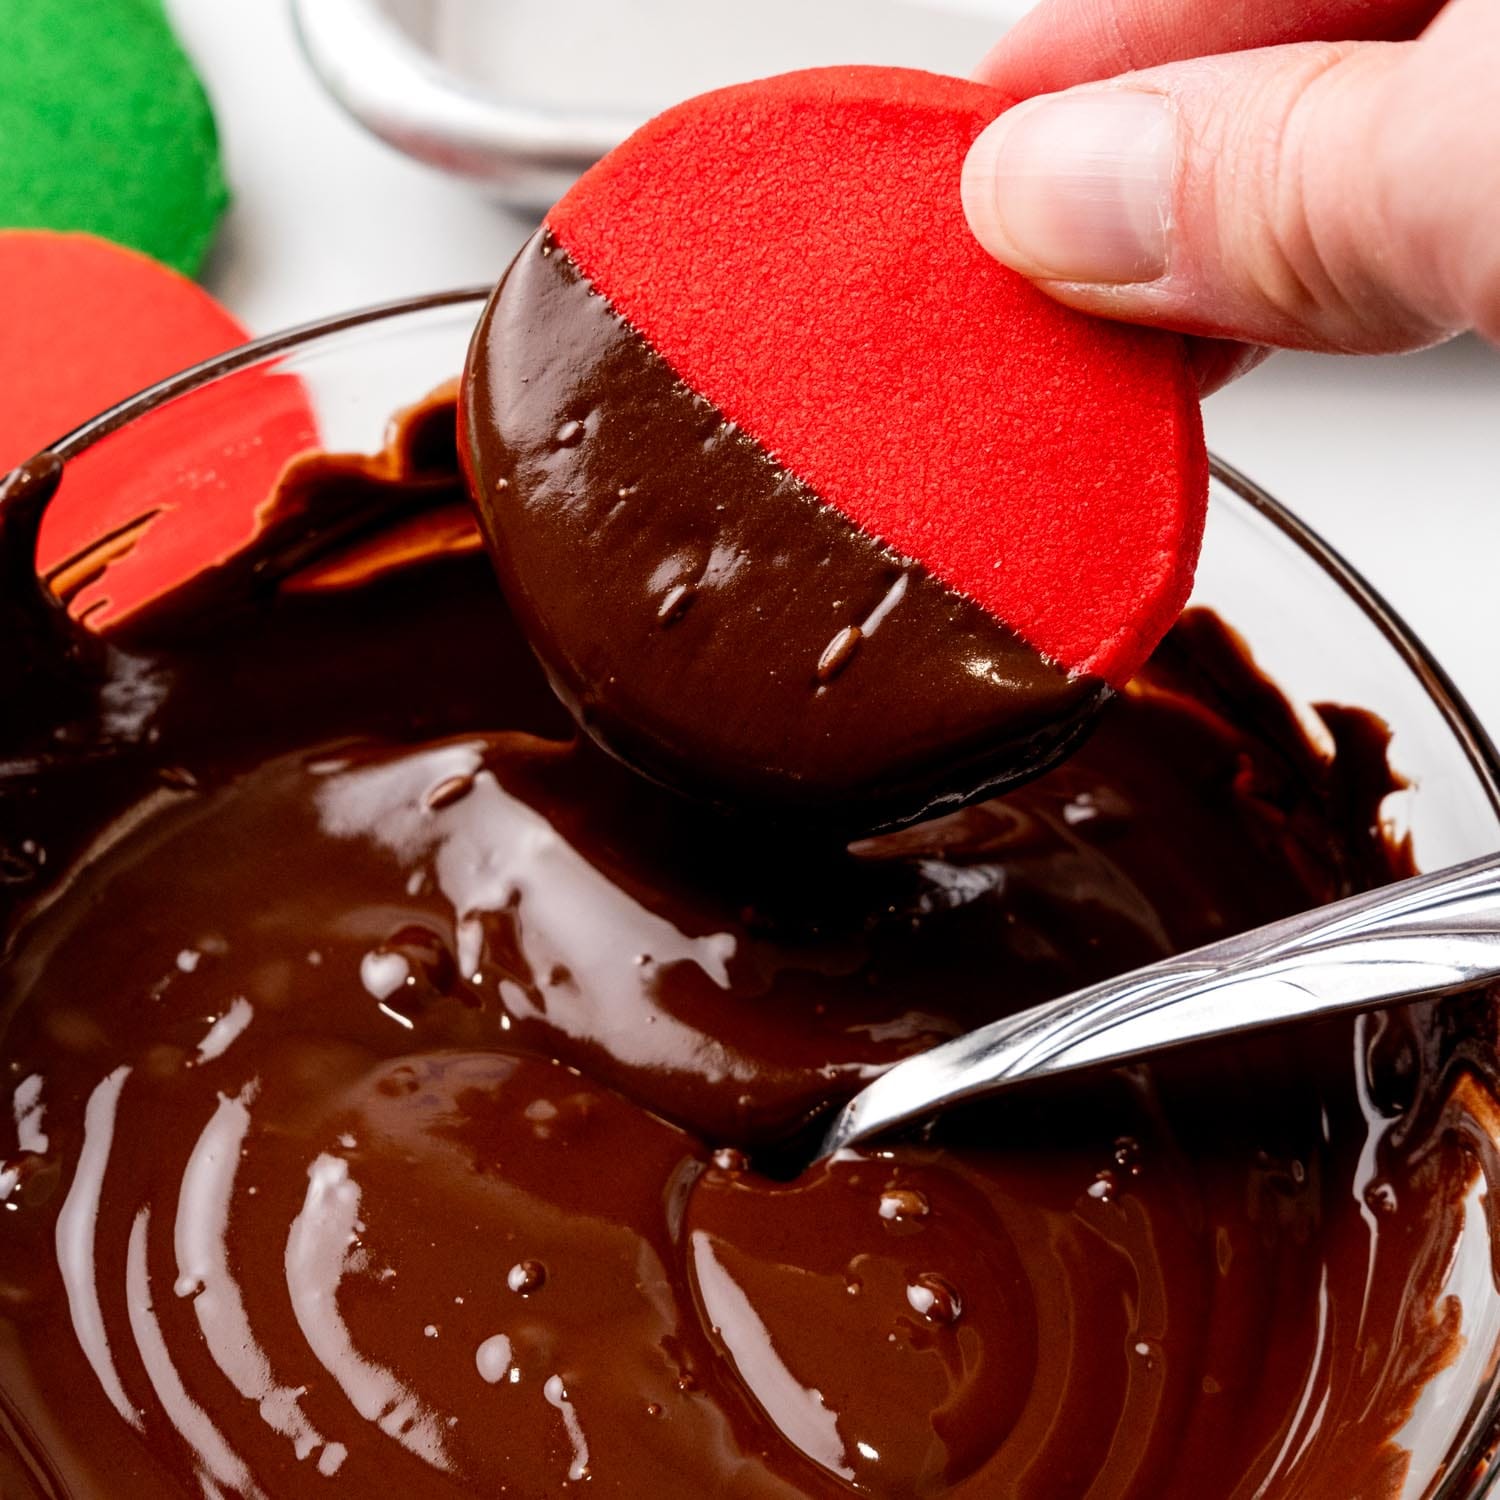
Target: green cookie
(104,127)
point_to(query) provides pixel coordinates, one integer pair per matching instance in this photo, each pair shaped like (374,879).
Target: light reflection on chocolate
(394,1089)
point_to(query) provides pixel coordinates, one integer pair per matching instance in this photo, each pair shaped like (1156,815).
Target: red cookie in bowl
(88,324)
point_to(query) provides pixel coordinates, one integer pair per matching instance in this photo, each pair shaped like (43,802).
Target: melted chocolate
(707,617)
(390,1082)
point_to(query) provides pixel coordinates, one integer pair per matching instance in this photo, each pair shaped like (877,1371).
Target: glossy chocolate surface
(395,1093)
(705,616)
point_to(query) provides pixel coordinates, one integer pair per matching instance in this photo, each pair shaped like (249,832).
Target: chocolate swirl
(397,1093)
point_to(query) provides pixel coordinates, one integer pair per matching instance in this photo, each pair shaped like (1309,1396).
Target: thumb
(1326,197)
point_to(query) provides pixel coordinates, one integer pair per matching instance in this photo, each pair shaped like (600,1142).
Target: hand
(1335,188)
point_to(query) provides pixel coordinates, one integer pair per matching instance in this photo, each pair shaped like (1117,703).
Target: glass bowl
(1317,628)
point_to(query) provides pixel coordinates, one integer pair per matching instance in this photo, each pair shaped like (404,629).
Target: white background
(1395,461)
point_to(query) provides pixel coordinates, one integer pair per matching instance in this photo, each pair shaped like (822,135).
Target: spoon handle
(1430,935)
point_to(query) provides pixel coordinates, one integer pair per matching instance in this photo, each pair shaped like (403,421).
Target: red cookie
(88,323)
(796,250)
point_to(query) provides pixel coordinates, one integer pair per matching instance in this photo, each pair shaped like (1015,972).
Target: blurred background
(1395,461)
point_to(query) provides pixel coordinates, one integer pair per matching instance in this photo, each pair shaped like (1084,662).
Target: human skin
(1255,173)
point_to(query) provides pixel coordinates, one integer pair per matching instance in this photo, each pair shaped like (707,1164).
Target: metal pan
(520,96)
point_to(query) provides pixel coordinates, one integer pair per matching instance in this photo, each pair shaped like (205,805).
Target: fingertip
(991,68)
(1076,186)
(978,187)
(1216,363)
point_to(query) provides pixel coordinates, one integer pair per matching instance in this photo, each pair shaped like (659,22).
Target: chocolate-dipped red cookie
(804,500)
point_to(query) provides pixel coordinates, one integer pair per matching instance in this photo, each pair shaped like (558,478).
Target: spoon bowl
(1430,935)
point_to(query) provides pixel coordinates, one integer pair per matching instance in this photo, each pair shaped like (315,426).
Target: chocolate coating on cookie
(705,616)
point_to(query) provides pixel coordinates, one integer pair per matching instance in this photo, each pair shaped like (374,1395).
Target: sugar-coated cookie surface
(86,324)
(106,128)
(796,250)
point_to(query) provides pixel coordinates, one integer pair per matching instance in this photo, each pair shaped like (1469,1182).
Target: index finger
(1065,42)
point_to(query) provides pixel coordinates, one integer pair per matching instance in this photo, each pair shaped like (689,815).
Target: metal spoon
(1431,935)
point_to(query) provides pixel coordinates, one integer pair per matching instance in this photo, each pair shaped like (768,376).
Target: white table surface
(1395,461)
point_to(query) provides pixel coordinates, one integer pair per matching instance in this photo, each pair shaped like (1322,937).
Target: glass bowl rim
(1473,739)
(1478,747)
